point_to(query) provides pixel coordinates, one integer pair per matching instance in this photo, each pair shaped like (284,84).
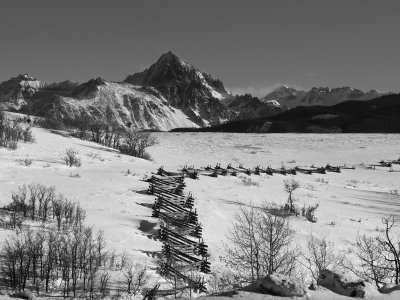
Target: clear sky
(250,45)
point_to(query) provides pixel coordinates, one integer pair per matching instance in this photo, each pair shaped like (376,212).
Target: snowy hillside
(292,97)
(119,103)
(350,203)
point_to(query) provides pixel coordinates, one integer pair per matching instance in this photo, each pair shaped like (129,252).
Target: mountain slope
(169,94)
(121,103)
(197,94)
(248,107)
(292,97)
(380,115)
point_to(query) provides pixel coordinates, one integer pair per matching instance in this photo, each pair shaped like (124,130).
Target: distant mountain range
(380,115)
(291,97)
(169,94)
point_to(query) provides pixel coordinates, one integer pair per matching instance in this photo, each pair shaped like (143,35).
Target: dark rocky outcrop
(345,285)
(278,285)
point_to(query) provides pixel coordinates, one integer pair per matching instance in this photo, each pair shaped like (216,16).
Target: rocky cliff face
(197,94)
(292,97)
(249,107)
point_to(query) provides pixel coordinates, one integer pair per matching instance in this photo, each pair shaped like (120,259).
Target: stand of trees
(105,132)
(53,251)
(37,202)
(12,132)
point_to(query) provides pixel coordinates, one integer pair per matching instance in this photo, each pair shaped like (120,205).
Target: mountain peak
(171,58)
(24,77)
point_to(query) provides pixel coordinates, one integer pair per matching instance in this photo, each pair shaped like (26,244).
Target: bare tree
(391,246)
(136,277)
(104,278)
(290,186)
(261,244)
(277,236)
(135,143)
(247,243)
(379,256)
(320,255)
(70,158)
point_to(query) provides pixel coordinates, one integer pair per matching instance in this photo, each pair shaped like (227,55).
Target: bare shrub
(261,245)
(135,143)
(223,279)
(247,181)
(290,186)
(25,162)
(12,132)
(309,212)
(319,255)
(136,277)
(321,180)
(379,256)
(71,159)
(103,285)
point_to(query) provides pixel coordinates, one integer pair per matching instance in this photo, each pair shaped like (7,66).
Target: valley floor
(350,203)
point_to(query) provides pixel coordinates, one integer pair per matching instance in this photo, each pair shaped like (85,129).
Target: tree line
(52,250)
(105,131)
(13,131)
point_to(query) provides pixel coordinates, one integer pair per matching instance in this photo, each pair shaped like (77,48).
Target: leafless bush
(95,156)
(319,255)
(64,250)
(30,258)
(321,180)
(247,181)
(123,261)
(223,279)
(136,277)
(104,278)
(261,244)
(74,175)
(25,162)
(12,132)
(70,158)
(379,256)
(290,186)
(135,143)
(40,203)
(309,212)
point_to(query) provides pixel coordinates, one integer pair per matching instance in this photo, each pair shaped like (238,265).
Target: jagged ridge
(292,97)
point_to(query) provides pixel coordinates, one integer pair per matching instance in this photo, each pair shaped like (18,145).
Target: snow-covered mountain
(169,94)
(292,97)
(248,107)
(122,103)
(197,94)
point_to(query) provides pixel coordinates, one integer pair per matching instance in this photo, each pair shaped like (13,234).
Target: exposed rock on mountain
(197,94)
(292,97)
(120,103)
(15,90)
(380,115)
(248,107)
(169,94)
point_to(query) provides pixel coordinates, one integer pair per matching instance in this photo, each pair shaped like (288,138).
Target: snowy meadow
(106,185)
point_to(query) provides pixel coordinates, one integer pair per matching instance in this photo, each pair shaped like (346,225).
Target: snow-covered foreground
(350,203)
(104,188)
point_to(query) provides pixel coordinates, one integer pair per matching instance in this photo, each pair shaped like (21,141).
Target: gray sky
(250,45)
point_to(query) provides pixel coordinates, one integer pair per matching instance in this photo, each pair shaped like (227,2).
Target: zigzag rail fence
(184,251)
